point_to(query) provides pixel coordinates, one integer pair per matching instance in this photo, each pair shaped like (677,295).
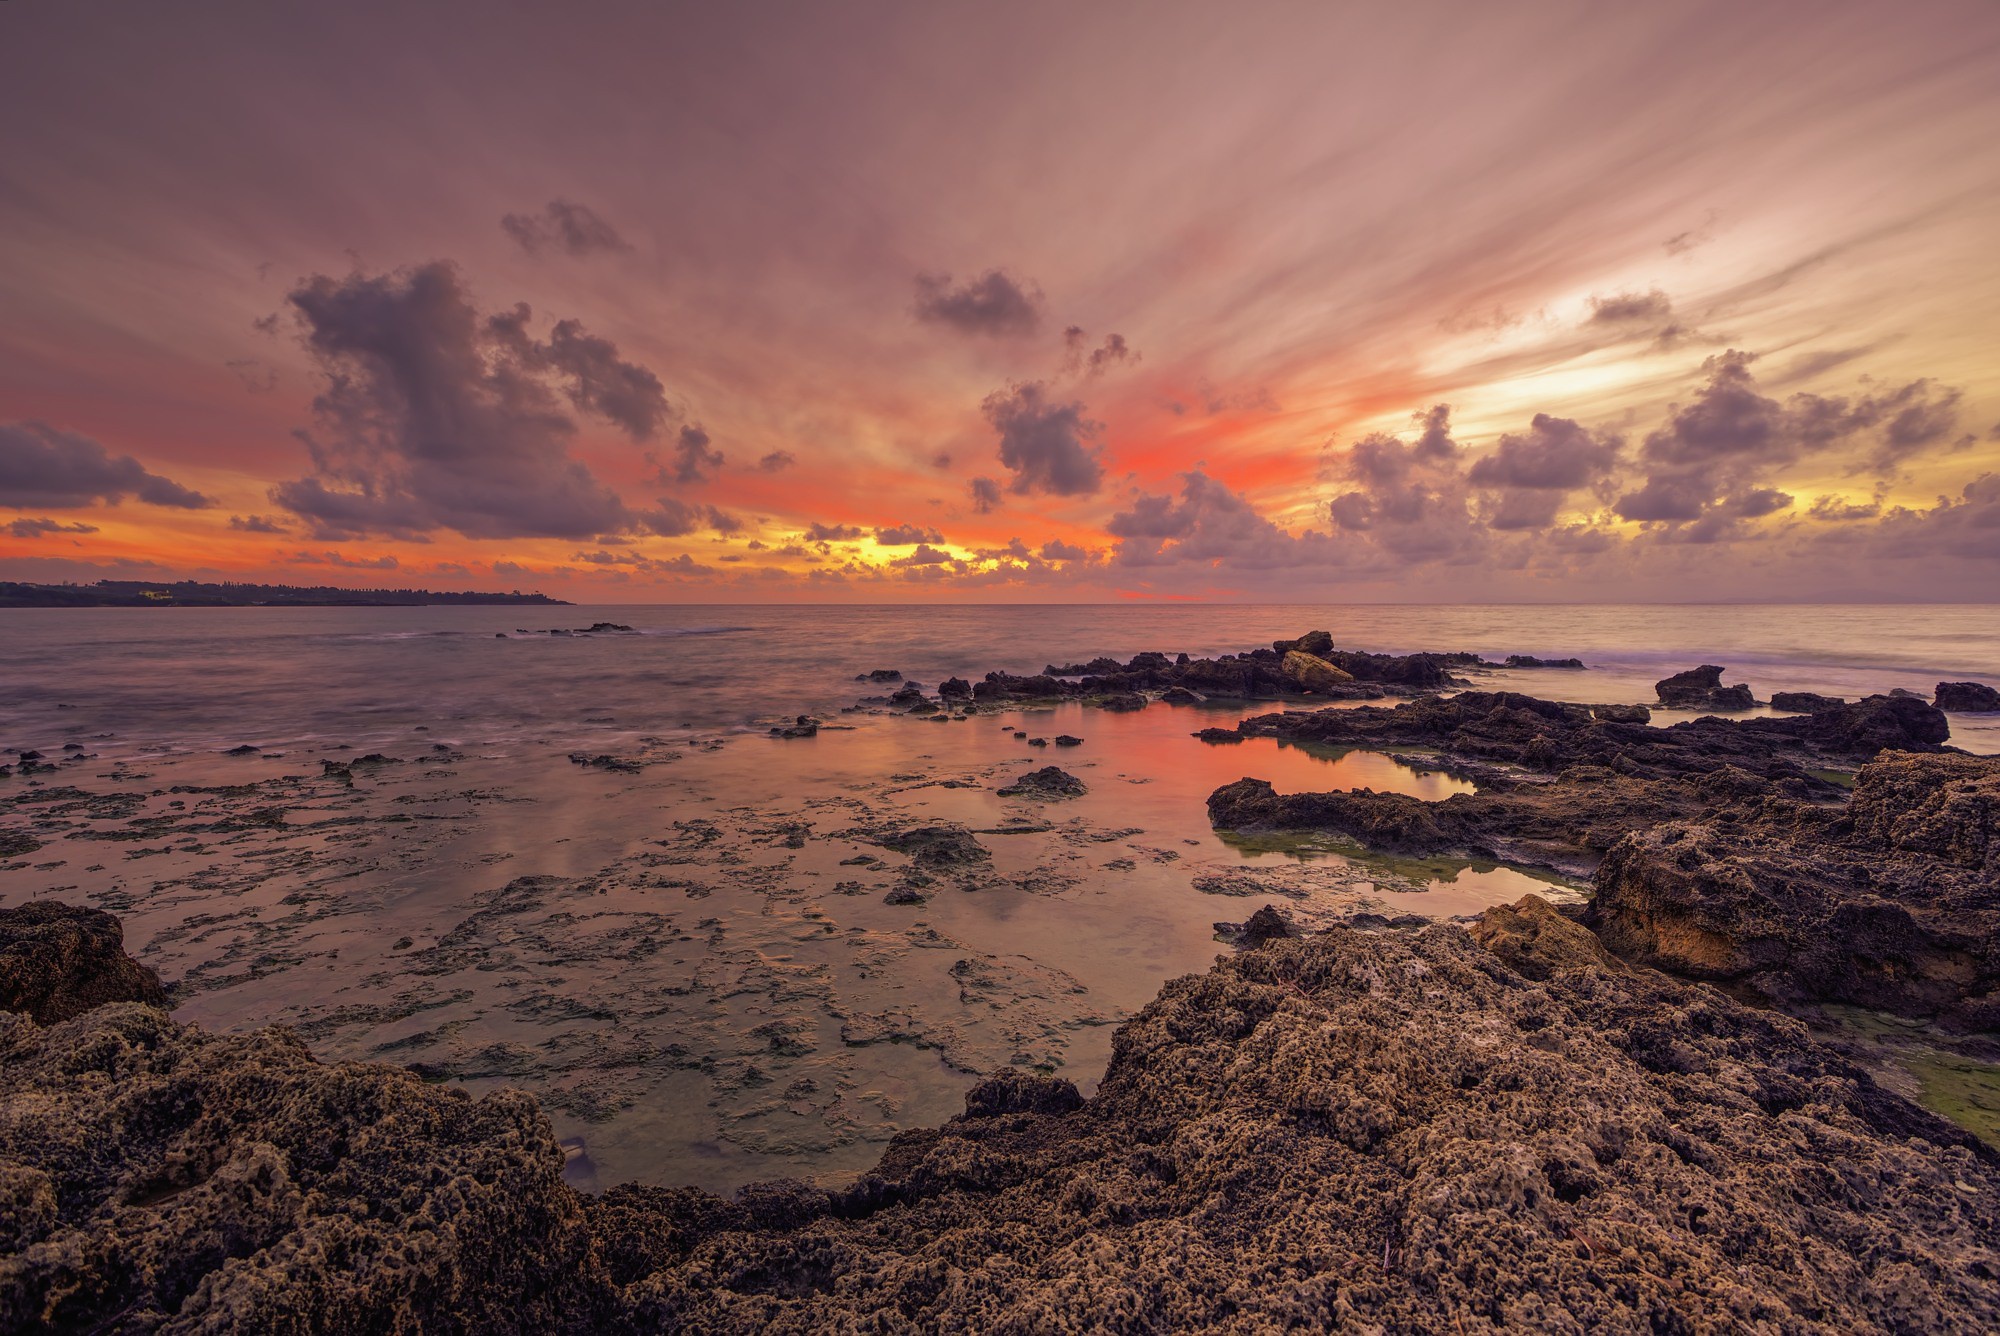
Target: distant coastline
(196,594)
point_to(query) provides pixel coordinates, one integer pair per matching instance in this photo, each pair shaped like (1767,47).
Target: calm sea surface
(703,959)
(194,676)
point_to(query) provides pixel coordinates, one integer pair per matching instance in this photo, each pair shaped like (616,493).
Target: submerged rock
(1530,661)
(58,961)
(936,846)
(1048,782)
(1967,698)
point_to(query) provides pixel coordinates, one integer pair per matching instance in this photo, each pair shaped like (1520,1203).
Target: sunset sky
(643,302)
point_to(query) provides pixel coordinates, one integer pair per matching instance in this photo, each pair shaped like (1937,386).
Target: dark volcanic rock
(936,846)
(1804,702)
(1537,941)
(1530,661)
(1390,1132)
(880,675)
(1119,702)
(1068,740)
(1048,782)
(1011,1092)
(153,1177)
(1892,903)
(805,726)
(1701,689)
(58,961)
(1181,696)
(1967,697)
(955,688)
(1268,924)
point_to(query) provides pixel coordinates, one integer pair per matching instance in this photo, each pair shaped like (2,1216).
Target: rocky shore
(1543,1118)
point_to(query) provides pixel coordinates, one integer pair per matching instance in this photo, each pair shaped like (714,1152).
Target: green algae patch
(1963,1090)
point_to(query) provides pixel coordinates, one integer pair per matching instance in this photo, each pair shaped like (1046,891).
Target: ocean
(581,865)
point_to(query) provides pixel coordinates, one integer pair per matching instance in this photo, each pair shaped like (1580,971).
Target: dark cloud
(1964,526)
(1411,497)
(1729,441)
(1080,356)
(1553,454)
(564,228)
(993,304)
(432,417)
(25,527)
(342,560)
(833,533)
(258,524)
(42,465)
(693,460)
(1641,313)
(1837,509)
(1057,550)
(777,461)
(1208,525)
(985,494)
(924,555)
(906,535)
(1045,444)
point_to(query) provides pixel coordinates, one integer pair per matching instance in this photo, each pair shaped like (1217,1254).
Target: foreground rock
(1392,1132)
(1892,902)
(58,961)
(1397,1131)
(1050,782)
(156,1177)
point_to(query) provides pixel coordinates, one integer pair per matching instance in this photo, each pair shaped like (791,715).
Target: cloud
(777,461)
(1727,444)
(1114,351)
(257,376)
(833,533)
(994,304)
(985,494)
(1045,444)
(1057,550)
(1641,313)
(382,563)
(906,535)
(1534,472)
(565,228)
(925,555)
(42,465)
(1210,525)
(693,461)
(25,527)
(1839,510)
(258,524)
(431,417)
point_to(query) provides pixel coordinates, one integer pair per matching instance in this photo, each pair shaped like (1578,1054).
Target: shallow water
(692,963)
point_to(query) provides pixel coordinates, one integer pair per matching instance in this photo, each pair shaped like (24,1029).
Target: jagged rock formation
(1701,689)
(1049,782)
(1892,902)
(59,961)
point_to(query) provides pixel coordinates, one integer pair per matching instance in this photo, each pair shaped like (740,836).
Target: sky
(652,302)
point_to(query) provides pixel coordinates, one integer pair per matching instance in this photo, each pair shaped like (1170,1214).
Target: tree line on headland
(197,594)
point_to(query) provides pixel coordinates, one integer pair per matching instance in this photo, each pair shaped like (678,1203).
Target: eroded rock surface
(1892,902)
(1701,689)
(58,961)
(1967,697)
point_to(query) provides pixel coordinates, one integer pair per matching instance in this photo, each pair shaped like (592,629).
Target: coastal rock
(1701,689)
(1394,1132)
(880,675)
(1892,903)
(1119,702)
(1538,942)
(1268,924)
(1530,661)
(1308,672)
(955,688)
(1048,782)
(1068,740)
(936,846)
(58,961)
(177,1180)
(1181,696)
(1318,644)
(1804,702)
(1967,698)
(805,726)
(1011,1092)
